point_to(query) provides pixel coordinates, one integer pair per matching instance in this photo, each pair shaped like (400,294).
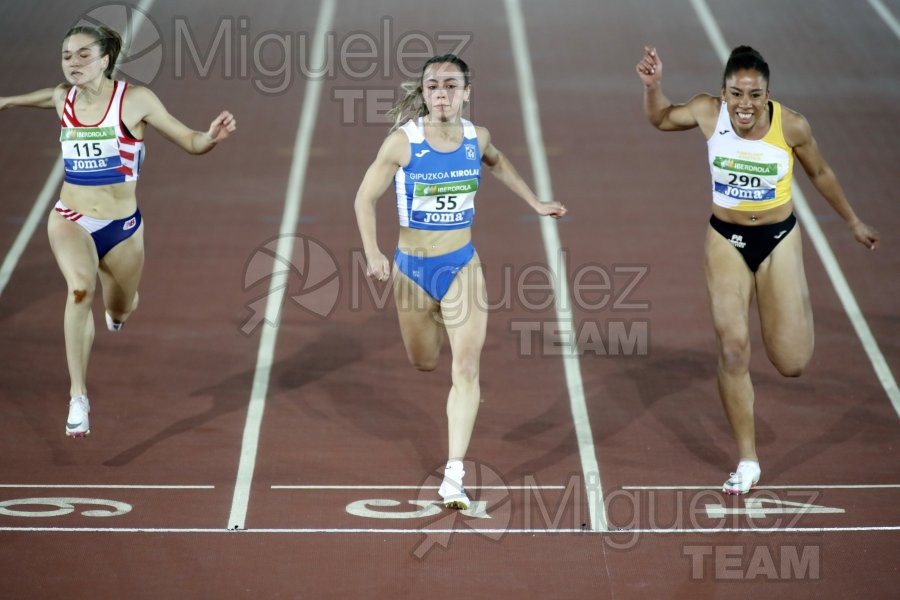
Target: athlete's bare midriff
(776,214)
(428,242)
(108,202)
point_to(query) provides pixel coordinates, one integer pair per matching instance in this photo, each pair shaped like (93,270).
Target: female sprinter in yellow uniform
(753,241)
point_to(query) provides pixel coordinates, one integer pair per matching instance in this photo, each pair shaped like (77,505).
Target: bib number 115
(88,149)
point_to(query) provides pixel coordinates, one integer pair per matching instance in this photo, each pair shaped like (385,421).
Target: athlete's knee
(791,359)
(120,308)
(465,368)
(734,355)
(423,364)
(423,361)
(81,292)
(792,367)
(82,296)
(791,370)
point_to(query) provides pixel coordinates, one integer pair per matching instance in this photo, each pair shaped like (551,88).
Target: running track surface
(342,414)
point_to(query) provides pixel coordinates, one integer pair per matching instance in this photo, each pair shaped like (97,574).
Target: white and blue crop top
(436,190)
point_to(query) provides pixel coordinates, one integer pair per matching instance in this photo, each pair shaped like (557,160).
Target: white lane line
(143,8)
(278,282)
(17,486)
(415,487)
(848,300)
(886,486)
(35,216)
(886,16)
(820,243)
(531,115)
(466,530)
(712,29)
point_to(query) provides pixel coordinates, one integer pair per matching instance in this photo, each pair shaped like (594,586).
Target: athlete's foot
(77,424)
(452,491)
(115,325)
(745,477)
(112,324)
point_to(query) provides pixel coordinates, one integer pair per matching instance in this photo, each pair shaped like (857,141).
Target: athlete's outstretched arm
(798,134)
(45,98)
(504,170)
(193,142)
(393,153)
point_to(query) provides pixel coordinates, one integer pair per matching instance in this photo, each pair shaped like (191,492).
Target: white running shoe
(77,424)
(113,325)
(743,479)
(452,491)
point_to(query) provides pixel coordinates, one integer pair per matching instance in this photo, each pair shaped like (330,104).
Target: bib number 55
(445,202)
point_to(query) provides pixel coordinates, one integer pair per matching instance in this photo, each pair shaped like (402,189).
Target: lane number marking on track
(63,506)
(426,508)
(762,507)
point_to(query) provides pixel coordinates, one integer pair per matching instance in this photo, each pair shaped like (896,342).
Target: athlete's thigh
(123,265)
(74,250)
(730,285)
(421,326)
(782,293)
(465,309)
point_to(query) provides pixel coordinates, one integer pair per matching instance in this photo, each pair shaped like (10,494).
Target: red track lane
(343,408)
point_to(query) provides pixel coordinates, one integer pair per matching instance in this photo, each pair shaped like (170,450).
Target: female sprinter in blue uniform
(434,160)
(96,227)
(753,241)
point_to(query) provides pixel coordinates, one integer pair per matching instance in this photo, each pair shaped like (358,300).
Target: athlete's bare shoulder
(484,137)
(395,149)
(141,95)
(795,127)
(59,96)
(705,109)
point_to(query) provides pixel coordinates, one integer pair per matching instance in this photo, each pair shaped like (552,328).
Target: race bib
(90,149)
(451,203)
(745,180)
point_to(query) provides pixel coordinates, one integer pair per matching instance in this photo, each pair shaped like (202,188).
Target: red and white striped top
(103,153)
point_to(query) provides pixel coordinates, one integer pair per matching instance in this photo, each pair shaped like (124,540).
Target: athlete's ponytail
(412,104)
(109,42)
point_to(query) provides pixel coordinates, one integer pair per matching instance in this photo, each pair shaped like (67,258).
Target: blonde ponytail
(410,106)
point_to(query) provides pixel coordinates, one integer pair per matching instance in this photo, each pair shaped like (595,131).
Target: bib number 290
(743,180)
